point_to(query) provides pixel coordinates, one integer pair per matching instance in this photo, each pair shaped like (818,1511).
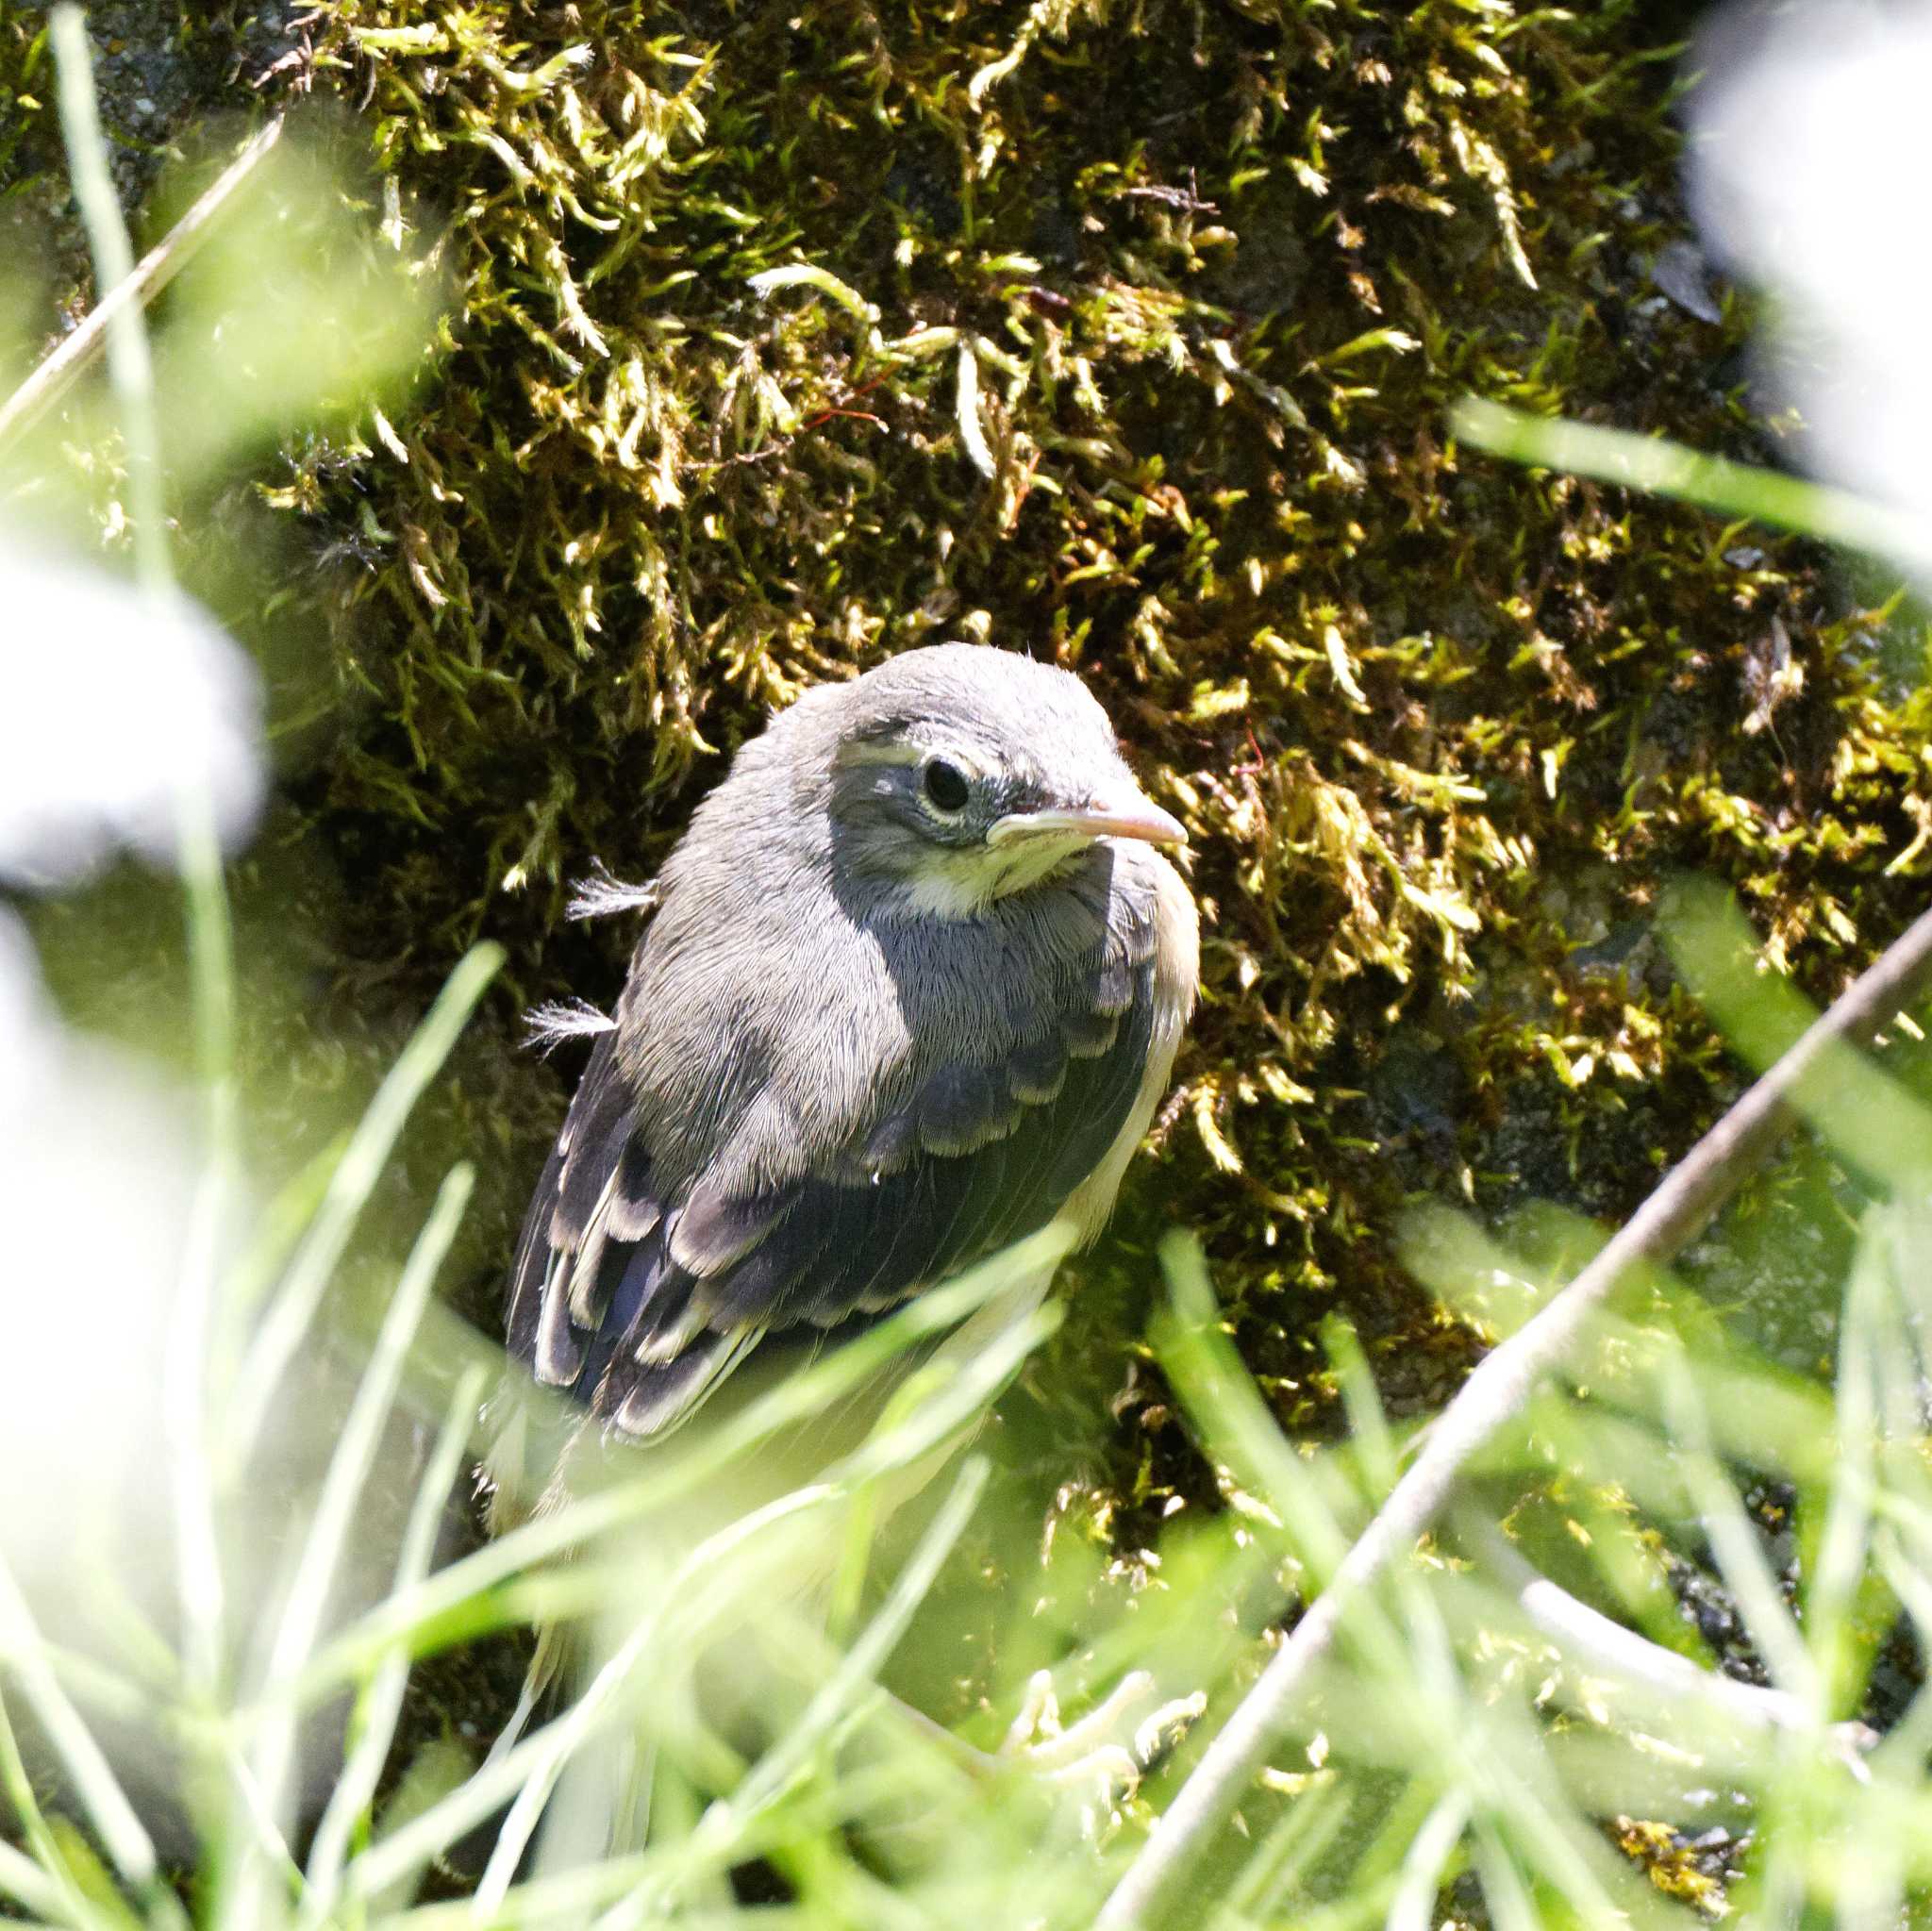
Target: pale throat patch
(960,883)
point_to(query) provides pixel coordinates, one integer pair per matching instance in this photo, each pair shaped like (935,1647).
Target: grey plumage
(910,989)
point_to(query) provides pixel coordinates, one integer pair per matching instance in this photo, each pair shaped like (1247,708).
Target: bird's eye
(947,788)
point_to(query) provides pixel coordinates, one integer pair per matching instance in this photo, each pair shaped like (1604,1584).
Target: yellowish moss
(1671,1864)
(788,337)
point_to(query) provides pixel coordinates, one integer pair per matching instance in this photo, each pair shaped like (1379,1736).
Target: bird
(909,992)
(910,989)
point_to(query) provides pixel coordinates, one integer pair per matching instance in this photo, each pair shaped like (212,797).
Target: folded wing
(640,1297)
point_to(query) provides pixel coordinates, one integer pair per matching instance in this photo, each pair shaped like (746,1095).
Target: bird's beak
(1124,814)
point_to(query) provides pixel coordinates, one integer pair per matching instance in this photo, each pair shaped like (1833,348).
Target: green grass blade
(123,1835)
(294,1306)
(1662,468)
(374,1725)
(348,1471)
(792,1403)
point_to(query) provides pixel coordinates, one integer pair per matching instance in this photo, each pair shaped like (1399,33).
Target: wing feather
(642,1295)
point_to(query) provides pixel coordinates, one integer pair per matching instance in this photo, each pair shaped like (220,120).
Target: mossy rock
(785,337)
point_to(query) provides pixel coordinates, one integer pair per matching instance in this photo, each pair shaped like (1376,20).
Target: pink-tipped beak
(1131,816)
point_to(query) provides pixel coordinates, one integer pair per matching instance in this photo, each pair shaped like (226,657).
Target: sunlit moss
(788,337)
(1123,334)
(1674,1864)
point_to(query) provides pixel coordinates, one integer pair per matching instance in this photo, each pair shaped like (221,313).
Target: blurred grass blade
(956,1391)
(1870,1121)
(1504,1894)
(1471,1273)
(566,1901)
(103,1907)
(210,937)
(294,1308)
(1431,1672)
(1425,1870)
(1838,1569)
(128,366)
(1905,1748)
(279,1223)
(1653,1684)
(1662,468)
(595,1704)
(862,1663)
(435,1769)
(1235,1427)
(663,1482)
(1557,1840)
(1735,1543)
(992,1343)
(720,1839)
(49,1883)
(348,1472)
(1368,1422)
(1226,1407)
(1283,1864)
(55,374)
(525,1774)
(373,1725)
(24,1883)
(122,1833)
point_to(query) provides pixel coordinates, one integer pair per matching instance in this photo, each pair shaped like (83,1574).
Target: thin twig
(1502,1384)
(57,374)
(1172,197)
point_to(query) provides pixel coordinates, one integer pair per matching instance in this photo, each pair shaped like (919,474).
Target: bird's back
(745,1157)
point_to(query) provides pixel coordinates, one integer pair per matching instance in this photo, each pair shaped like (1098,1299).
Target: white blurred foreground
(118,708)
(1810,176)
(120,714)
(98,1165)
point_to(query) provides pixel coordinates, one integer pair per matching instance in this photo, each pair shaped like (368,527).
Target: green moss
(32,192)
(788,337)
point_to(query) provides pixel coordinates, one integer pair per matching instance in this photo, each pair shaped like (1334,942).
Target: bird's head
(961,773)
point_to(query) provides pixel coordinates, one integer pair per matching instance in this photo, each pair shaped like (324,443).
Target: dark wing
(640,1305)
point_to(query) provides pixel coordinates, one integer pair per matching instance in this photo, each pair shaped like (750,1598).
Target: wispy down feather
(602,896)
(547,1026)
